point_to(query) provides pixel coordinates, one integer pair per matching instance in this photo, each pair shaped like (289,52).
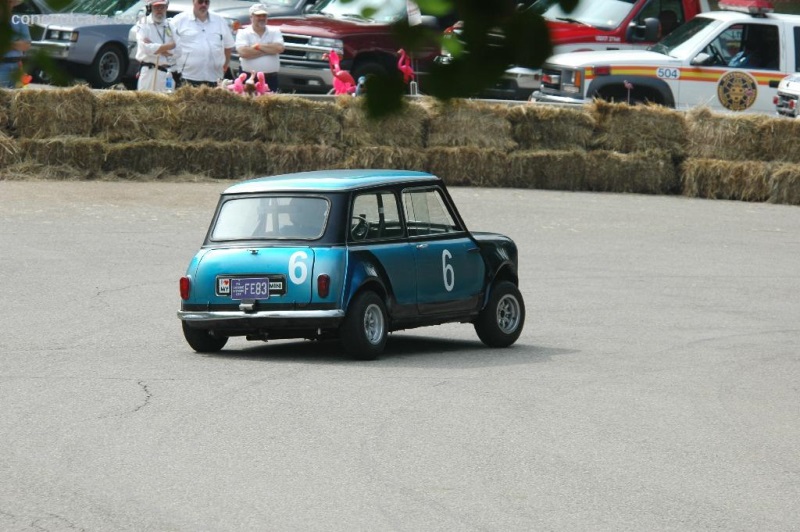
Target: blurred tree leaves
(38,59)
(494,36)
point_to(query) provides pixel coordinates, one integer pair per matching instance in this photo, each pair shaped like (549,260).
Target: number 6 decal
(447,271)
(298,271)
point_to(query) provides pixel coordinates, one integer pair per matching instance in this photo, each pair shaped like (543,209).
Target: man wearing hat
(20,43)
(259,45)
(155,47)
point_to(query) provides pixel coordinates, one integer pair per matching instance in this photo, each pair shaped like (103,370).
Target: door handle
(422,246)
(473,250)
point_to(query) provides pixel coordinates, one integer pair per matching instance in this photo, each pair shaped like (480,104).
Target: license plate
(250,288)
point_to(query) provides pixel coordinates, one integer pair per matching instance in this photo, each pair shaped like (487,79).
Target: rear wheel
(500,323)
(202,341)
(364,330)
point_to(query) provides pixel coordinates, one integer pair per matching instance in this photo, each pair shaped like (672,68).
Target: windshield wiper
(574,21)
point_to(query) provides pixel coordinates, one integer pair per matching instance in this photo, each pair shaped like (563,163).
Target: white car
(786,103)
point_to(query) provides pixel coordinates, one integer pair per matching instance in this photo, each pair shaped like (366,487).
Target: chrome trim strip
(191,315)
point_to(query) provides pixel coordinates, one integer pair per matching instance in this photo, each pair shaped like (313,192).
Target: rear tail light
(323,285)
(775,100)
(186,285)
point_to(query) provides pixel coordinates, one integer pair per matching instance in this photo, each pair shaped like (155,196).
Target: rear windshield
(272,217)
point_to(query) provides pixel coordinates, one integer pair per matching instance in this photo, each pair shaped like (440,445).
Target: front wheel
(364,330)
(202,341)
(108,67)
(500,323)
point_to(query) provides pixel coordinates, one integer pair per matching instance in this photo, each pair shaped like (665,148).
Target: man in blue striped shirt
(20,43)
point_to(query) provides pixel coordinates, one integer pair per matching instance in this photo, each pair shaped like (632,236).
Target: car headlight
(571,81)
(61,35)
(330,44)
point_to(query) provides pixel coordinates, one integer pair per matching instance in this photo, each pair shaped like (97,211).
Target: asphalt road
(655,386)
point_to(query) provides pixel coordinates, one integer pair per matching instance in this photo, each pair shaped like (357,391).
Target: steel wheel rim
(373,324)
(109,67)
(508,314)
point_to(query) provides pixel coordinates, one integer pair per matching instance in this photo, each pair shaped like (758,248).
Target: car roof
(330,181)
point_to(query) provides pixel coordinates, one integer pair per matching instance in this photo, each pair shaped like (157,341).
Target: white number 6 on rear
(298,270)
(448,274)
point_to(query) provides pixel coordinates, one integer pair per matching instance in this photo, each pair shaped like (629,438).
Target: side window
(375,216)
(426,213)
(759,47)
(797,49)
(724,48)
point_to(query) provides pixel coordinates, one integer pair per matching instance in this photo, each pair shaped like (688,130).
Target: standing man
(205,42)
(20,43)
(155,47)
(259,46)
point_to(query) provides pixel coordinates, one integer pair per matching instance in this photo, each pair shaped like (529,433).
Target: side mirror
(702,59)
(649,32)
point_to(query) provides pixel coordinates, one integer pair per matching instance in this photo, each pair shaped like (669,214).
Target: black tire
(501,322)
(108,67)
(367,69)
(365,327)
(201,340)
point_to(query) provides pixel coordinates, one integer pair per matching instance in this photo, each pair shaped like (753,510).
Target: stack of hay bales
(77,133)
(636,149)
(742,157)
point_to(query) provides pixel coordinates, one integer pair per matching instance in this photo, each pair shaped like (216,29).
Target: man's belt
(152,65)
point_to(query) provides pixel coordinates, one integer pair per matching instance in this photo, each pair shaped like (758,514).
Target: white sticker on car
(298,270)
(668,73)
(448,274)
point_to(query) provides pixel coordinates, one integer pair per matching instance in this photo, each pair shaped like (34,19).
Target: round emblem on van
(737,91)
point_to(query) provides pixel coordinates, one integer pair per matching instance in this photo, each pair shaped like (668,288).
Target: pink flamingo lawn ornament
(238,85)
(250,85)
(343,82)
(404,66)
(261,85)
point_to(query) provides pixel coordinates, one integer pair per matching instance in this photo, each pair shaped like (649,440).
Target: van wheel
(364,330)
(367,69)
(500,323)
(202,341)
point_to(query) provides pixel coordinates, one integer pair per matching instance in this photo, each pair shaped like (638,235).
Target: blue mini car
(347,254)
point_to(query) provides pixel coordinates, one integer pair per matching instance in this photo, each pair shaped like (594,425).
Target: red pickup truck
(365,44)
(595,25)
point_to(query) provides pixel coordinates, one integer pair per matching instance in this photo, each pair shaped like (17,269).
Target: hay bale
(468,166)
(785,184)
(629,129)
(777,138)
(405,129)
(385,157)
(651,172)
(550,170)
(543,127)
(469,123)
(6,97)
(9,151)
(145,157)
(733,180)
(27,170)
(216,114)
(294,120)
(82,154)
(48,113)
(725,137)
(135,115)
(223,160)
(285,159)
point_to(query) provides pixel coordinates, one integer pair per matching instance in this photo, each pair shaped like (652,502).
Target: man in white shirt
(206,43)
(259,45)
(155,47)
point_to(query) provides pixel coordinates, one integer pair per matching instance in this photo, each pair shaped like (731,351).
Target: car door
(720,79)
(449,268)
